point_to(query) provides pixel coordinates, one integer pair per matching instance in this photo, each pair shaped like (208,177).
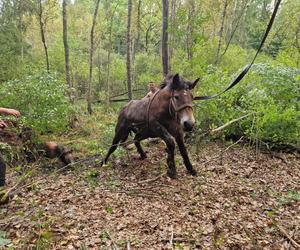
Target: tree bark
(89,88)
(164,41)
(138,38)
(297,41)
(66,47)
(110,47)
(99,69)
(190,29)
(129,51)
(42,30)
(172,34)
(108,59)
(221,31)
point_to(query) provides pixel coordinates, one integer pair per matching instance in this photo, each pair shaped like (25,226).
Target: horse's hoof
(193,172)
(143,157)
(172,174)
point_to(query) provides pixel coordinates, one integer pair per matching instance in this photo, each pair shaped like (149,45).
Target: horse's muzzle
(188,125)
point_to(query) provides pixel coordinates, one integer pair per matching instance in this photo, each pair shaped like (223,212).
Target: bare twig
(115,246)
(124,93)
(17,187)
(4,196)
(151,180)
(172,237)
(229,123)
(249,234)
(284,233)
(128,245)
(180,239)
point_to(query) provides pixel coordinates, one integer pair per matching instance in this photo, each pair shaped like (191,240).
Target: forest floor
(241,199)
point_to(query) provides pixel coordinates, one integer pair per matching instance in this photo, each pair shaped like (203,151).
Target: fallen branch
(284,233)
(172,237)
(119,100)
(151,180)
(179,239)
(17,187)
(128,245)
(249,234)
(5,194)
(124,93)
(114,245)
(229,123)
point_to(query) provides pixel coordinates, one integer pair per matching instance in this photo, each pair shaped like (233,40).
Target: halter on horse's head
(181,99)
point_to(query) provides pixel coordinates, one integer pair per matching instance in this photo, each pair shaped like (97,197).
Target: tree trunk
(297,42)
(108,63)
(221,31)
(172,34)
(190,29)
(42,29)
(108,57)
(129,50)
(138,38)
(112,14)
(66,47)
(148,30)
(164,41)
(99,69)
(89,88)
(21,37)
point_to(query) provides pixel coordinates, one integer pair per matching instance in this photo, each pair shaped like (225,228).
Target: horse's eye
(176,97)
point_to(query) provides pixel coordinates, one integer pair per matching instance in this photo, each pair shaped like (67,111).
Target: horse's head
(181,102)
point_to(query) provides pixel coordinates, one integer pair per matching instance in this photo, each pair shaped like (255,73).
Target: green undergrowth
(92,134)
(41,98)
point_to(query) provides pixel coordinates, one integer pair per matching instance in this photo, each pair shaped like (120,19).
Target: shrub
(270,92)
(42,100)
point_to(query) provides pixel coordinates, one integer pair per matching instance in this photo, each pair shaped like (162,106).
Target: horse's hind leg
(120,136)
(137,143)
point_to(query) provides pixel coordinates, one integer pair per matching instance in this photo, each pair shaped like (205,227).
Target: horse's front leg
(168,139)
(137,142)
(185,156)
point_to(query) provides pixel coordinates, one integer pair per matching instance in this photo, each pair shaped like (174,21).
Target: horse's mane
(168,80)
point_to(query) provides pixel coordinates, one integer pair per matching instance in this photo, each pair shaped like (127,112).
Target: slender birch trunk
(164,42)
(66,47)
(43,36)
(89,87)
(221,31)
(129,51)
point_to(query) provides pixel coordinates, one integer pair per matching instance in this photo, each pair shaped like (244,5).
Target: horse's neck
(161,100)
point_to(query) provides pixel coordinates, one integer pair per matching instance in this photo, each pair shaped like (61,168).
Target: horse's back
(135,111)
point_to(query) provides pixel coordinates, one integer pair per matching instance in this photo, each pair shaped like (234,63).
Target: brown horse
(166,114)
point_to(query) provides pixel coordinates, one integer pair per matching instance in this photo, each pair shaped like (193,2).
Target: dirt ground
(241,199)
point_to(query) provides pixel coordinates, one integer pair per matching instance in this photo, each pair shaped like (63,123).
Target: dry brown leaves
(238,201)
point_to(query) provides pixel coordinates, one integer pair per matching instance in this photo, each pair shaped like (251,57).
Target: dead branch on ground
(285,233)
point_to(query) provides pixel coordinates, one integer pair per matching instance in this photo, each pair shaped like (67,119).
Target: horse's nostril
(188,125)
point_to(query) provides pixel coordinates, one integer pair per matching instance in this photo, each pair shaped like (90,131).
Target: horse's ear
(175,82)
(193,85)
